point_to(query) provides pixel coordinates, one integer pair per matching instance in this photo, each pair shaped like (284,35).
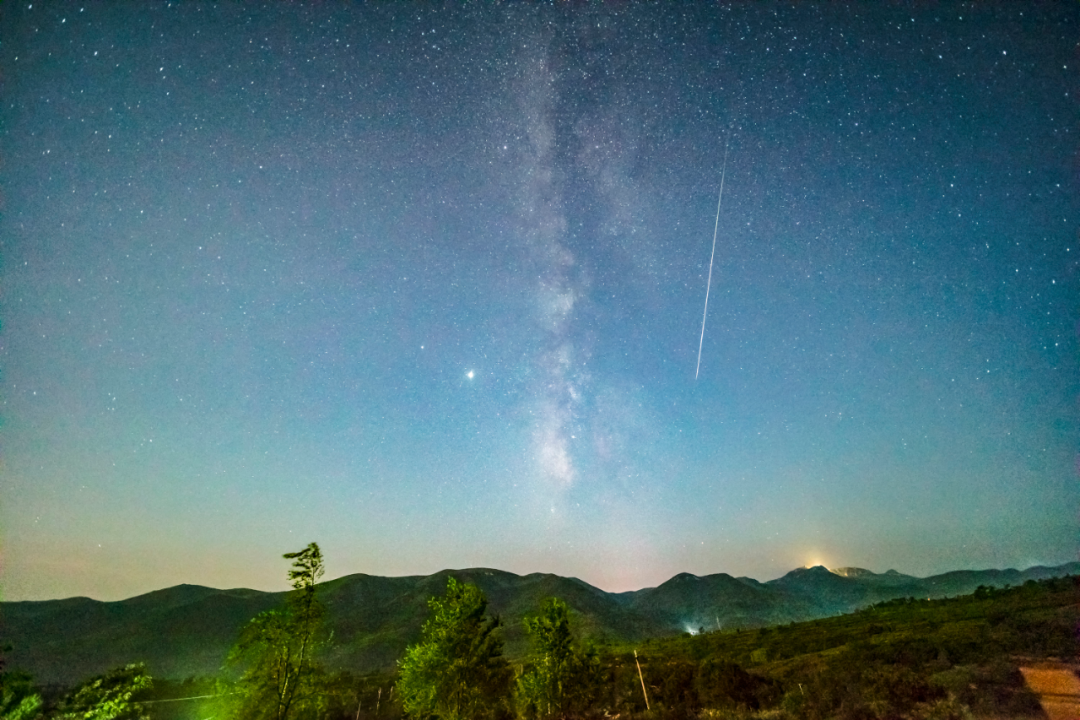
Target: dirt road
(1058,689)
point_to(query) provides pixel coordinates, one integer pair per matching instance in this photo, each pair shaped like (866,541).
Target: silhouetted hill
(374,618)
(687,602)
(825,591)
(179,631)
(187,630)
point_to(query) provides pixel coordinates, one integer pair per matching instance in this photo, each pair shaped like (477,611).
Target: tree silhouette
(279,679)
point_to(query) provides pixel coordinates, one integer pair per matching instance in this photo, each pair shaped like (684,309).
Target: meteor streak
(708,283)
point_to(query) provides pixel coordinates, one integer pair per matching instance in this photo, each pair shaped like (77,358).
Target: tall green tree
(561,679)
(457,670)
(280,679)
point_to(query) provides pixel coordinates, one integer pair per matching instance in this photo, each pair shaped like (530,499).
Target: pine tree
(456,671)
(280,679)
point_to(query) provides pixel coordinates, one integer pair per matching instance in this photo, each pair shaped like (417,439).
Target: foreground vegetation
(907,658)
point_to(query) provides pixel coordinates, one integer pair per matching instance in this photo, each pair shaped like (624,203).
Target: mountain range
(187,630)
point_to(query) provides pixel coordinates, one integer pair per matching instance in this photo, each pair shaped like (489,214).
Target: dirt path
(1058,689)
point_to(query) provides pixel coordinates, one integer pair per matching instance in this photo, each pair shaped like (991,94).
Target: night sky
(425,285)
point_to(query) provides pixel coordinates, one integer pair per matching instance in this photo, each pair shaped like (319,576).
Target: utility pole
(642,679)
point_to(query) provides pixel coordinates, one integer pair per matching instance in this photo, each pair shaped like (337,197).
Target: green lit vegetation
(457,670)
(119,694)
(279,678)
(559,679)
(907,658)
(904,658)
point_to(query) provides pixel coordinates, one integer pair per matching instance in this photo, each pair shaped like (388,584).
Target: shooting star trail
(708,283)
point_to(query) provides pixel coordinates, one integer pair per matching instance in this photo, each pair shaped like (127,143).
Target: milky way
(424,284)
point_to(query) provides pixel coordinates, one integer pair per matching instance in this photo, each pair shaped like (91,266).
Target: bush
(108,697)
(723,684)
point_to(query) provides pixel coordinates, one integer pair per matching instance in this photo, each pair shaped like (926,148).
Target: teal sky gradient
(425,285)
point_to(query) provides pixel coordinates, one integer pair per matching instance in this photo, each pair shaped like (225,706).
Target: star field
(425,285)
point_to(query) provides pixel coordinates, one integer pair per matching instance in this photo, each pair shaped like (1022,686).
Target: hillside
(905,658)
(187,630)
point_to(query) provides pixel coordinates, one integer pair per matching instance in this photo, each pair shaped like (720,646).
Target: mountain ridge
(187,630)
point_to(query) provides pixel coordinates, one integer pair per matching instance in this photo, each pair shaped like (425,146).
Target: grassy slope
(967,646)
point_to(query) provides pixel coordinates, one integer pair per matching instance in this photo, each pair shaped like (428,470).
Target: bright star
(470,374)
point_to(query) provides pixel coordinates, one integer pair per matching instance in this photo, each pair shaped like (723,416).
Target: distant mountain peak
(683,577)
(816,569)
(805,573)
(854,572)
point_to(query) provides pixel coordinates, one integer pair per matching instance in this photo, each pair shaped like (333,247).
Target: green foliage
(279,678)
(187,699)
(995,688)
(561,678)
(26,708)
(948,709)
(19,699)
(947,659)
(456,671)
(303,607)
(726,684)
(108,697)
(362,697)
(307,567)
(897,689)
(677,692)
